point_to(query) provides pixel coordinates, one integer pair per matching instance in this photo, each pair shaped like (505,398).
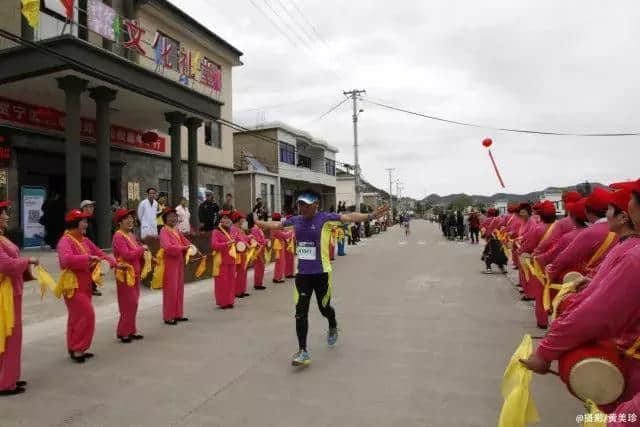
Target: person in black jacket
(208,213)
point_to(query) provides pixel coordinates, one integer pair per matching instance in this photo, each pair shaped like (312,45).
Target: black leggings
(475,234)
(305,285)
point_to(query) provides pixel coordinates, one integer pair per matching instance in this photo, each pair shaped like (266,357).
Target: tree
(461,203)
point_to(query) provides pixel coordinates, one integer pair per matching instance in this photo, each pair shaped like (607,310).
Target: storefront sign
(48,118)
(32,200)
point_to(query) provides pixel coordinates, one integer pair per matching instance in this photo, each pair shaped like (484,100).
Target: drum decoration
(241,246)
(593,372)
(572,276)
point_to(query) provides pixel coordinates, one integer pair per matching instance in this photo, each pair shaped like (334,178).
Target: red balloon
(487,142)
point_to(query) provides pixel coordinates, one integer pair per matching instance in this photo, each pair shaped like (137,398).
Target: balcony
(306,175)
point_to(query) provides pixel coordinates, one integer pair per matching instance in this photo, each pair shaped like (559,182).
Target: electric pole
(354,96)
(390,170)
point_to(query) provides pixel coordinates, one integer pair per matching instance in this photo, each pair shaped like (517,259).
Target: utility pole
(390,170)
(398,191)
(354,96)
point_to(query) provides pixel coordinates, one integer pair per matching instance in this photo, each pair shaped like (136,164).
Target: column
(193,124)
(103,96)
(176,120)
(73,88)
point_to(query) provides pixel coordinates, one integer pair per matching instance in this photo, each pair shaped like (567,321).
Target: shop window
(287,153)
(304,161)
(213,134)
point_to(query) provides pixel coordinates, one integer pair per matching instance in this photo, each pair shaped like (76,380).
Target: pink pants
(289,263)
(224,285)
(10,359)
(258,271)
(241,279)
(128,297)
(81,322)
(279,268)
(173,290)
(538,291)
(332,252)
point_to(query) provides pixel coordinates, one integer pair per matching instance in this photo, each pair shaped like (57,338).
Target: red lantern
(149,137)
(487,142)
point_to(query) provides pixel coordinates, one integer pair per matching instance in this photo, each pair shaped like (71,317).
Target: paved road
(425,340)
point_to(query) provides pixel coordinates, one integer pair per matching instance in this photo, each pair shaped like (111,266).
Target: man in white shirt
(147,211)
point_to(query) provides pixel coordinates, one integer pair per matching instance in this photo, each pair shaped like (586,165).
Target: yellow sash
(601,250)
(277,246)
(217,256)
(146,269)
(158,272)
(202,267)
(68,281)
(565,289)
(547,233)
(44,280)
(251,254)
(179,239)
(267,255)
(7,313)
(127,276)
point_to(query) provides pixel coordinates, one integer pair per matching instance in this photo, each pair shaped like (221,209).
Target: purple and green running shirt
(309,239)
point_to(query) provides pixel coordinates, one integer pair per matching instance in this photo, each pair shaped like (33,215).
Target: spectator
(208,213)
(162,203)
(228,203)
(184,217)
(147,211)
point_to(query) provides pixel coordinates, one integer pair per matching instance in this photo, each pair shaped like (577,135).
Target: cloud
(564,66)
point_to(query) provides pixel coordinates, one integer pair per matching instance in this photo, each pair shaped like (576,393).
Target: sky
(566,66)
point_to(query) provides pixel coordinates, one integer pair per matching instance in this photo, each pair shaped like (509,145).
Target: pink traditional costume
(224,266)
(259,258)
(12,268)
(279,238)
(127,250)
(241,261)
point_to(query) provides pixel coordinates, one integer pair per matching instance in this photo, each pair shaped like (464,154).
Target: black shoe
(170,322)
(17,390)
(125,340)
(21,383)
(526,298)
(97,293)
(87,355)
(182,319)
(226,307)
(136,337)
(292,277)
(77,359)
(246,294)
(542,326)
(260,288)
(278,281)
(240,296)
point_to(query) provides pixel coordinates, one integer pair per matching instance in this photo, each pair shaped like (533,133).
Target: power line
(526,131)
(335,107)
(295,22)
(276,25)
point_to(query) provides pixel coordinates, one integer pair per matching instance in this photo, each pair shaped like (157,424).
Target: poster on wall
(32,199)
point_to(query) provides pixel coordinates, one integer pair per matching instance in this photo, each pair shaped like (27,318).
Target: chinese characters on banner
(48,118)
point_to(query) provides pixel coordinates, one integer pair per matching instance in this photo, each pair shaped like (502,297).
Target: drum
(241,246)
(572,276)
(593,372)
(253,243)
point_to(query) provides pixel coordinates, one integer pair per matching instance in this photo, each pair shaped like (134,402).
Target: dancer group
(311,236)
(583,274)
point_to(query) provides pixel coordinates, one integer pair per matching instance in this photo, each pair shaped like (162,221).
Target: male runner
(313,232)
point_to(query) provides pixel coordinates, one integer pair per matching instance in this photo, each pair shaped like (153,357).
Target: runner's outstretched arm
(360,217)
(267,225)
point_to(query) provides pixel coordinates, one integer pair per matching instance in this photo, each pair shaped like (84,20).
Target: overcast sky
(568,66)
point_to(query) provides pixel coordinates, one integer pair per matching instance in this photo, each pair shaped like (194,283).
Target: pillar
(193,124)
(73,88)
(103,96)
(176,120)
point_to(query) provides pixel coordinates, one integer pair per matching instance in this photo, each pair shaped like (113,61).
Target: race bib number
(306,251)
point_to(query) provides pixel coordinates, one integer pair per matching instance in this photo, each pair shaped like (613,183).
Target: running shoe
(332,336)
(301,358)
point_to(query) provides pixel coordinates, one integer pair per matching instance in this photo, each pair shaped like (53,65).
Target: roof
(193,22)
(255,164)
(293,131)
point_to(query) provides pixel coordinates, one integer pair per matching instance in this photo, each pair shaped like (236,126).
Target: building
(255,181)
(555,195)
(346,190)
(124,96)
(296,158)
(501,206)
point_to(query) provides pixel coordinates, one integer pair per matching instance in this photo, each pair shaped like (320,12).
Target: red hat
(237,215)
(571,197)
(226,213)
(276,216)
(577,209)
(537,205)
(5,204)
(598,199)
(76,214)
(627,185)
(121,213)
(620,199)
(512,207)
(547,208)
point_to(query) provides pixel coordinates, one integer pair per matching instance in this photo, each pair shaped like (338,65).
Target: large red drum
(593,372)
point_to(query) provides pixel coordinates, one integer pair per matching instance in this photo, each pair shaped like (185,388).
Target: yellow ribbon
(601,250)
(158,272)
(267,255)
(7,313)
(277,246)
(251,254)
(127,276)
(202,267)
(96,274)
(146,269)
(291,246)
(564,289)
(67,284)
(518,408)
(44,280)
(217,262)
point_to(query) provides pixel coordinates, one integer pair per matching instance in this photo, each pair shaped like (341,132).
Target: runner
(313,230)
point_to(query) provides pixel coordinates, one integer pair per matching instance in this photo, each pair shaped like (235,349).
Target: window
(287,153)
(330,167)
(304,161)
(263,193)
(217,192)
(173,58)
(52,20)
(212,134)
